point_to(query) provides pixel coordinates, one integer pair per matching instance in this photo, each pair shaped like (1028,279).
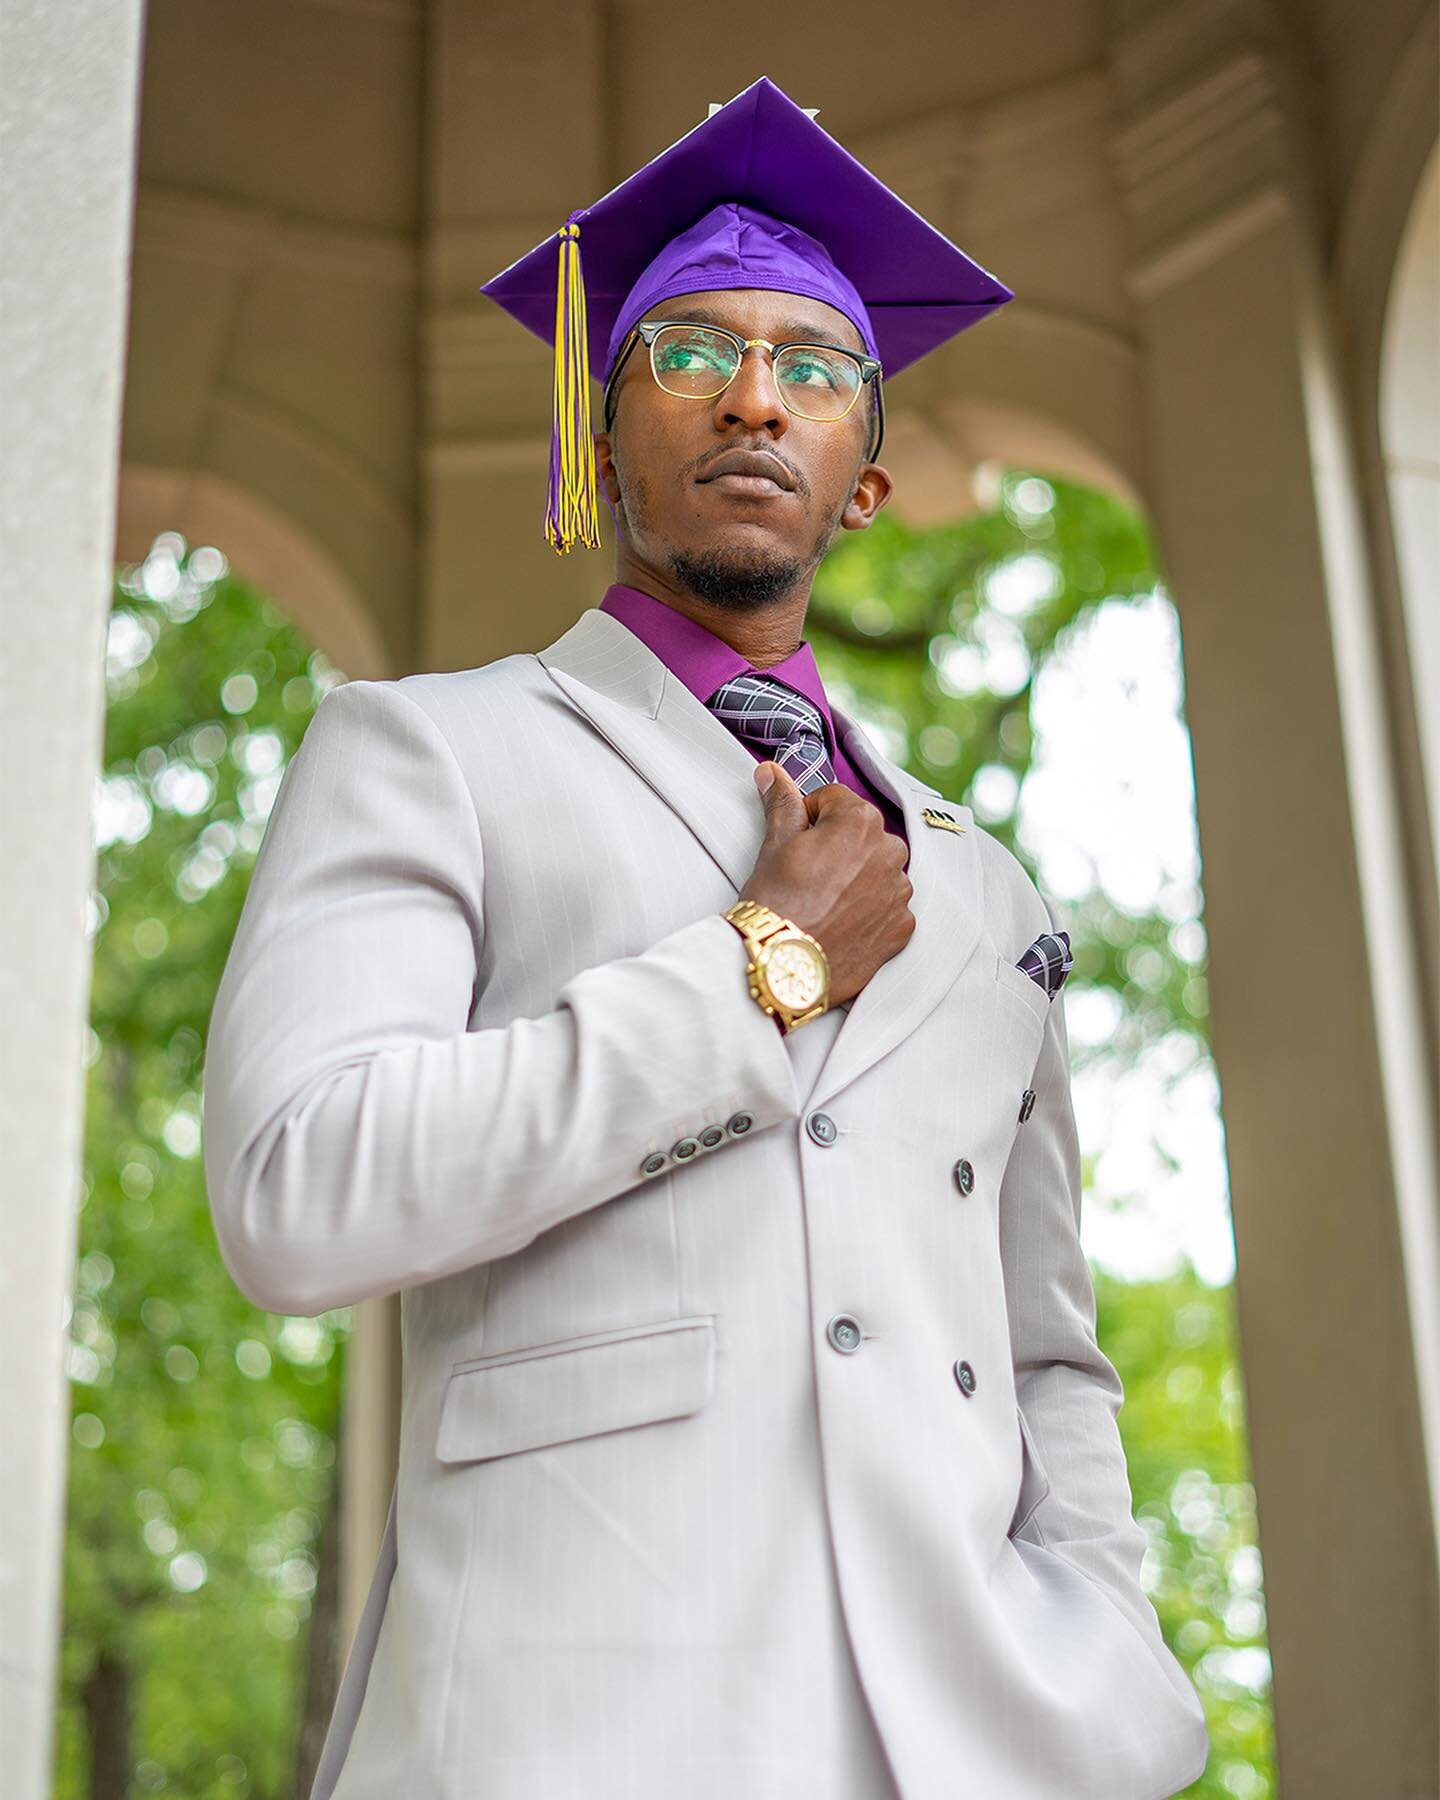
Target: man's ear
(610,482)
(605,468)
(872,489)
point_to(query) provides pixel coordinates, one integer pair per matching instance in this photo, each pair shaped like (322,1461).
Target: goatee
(726,581)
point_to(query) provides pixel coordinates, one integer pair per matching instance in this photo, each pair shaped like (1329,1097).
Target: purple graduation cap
(755,196)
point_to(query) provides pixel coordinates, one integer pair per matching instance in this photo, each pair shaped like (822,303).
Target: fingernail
(764,775)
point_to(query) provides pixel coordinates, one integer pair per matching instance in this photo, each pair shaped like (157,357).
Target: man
(700,1079)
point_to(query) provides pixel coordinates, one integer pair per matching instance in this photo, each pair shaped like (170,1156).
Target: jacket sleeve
(1070,1393)
(358,1137)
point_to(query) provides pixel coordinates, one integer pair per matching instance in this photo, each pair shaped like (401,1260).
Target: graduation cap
(755,196)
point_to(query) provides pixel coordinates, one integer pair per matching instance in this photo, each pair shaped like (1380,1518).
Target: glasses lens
(816,382)
(693,361)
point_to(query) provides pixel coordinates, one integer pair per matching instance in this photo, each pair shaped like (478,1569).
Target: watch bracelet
(757,924)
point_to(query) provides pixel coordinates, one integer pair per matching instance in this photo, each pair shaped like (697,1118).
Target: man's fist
(829,864)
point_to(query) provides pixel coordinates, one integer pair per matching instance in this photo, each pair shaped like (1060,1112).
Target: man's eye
(687,357)
(813,371)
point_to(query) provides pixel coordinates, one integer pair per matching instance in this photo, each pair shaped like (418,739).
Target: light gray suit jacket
(659,1530)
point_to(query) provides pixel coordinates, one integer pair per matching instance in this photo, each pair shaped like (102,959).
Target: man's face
(731,541)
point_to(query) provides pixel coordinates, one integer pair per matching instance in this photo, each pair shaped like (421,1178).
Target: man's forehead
(777,314)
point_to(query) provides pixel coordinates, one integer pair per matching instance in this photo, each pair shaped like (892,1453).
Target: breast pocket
(575,1387)
(1019,1011)
(1022,988)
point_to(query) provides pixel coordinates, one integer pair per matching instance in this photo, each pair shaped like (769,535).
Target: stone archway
(262,543)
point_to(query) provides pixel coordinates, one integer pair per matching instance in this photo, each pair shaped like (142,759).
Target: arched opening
(262,544)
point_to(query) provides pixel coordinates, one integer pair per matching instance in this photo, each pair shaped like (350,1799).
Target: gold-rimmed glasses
(698,362)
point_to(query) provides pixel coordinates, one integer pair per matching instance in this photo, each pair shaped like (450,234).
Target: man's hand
(829,864)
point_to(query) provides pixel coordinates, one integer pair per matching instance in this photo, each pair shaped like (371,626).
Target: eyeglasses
(698,362)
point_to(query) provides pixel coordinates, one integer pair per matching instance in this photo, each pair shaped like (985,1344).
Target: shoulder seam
(435,729)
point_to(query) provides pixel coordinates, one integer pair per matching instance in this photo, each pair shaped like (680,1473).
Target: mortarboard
(757,195)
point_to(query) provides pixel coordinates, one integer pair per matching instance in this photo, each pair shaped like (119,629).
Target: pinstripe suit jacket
(653,1534)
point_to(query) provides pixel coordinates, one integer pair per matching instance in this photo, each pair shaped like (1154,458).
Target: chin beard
(726,581)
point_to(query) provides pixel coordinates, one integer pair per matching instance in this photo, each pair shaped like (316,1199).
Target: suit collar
(693,653)
(706,776)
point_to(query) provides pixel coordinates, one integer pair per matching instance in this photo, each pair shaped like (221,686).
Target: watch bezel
(791,1016)
(761,927)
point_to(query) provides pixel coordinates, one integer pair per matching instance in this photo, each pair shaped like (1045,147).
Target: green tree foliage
(204,1433)
(1173,1343)
(203,1463)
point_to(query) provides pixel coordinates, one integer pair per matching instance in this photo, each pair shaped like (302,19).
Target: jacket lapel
(696,766)
(944,870)
(707,777)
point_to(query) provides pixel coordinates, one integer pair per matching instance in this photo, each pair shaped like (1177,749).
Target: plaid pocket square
(1048,961)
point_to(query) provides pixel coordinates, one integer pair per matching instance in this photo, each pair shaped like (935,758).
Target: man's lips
(748,472)
(757,485)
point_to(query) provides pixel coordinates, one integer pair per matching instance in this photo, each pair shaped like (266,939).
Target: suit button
(711,1136)
(822,1128)
(739,1123)
(964,1176)
(965,1375)
(1027,1104)
(685,1149)
(654,1163)
(844,1333)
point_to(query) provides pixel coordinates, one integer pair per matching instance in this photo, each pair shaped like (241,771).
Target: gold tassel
(571,514)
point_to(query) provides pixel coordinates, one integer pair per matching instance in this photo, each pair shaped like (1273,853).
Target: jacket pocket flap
(1034,1482)
(576,1387)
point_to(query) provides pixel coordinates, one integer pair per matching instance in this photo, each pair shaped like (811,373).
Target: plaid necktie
(773,717)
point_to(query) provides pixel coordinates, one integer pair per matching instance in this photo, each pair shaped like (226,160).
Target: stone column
(67,144)
(1317,1015)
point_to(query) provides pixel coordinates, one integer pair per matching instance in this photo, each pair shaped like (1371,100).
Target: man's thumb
(785,811)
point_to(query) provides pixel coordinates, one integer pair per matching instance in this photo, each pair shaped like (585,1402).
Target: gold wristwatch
(789,973)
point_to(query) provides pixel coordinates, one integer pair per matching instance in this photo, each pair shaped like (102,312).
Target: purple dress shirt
(703,661)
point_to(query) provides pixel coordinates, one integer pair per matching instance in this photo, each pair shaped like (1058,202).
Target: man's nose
(751,398)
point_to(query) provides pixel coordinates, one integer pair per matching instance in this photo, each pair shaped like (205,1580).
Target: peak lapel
(944,870)
(668,736)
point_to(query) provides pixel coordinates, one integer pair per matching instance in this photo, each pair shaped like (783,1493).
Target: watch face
(795,975)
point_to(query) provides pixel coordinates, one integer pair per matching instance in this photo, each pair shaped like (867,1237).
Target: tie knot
(772,716)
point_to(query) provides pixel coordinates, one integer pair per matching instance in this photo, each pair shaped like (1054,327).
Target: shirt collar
(695,656)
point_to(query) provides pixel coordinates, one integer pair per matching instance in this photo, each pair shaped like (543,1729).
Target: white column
(67,145)
(1317,1017)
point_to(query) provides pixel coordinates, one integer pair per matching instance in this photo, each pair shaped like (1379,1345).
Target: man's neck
(763,635)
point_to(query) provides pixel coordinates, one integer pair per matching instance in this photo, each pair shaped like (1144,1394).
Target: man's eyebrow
(807,331)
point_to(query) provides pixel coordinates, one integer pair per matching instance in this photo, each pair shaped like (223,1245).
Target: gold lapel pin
(942,821)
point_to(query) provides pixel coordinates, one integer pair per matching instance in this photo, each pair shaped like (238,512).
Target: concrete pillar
(67,144)
(1317,1013)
